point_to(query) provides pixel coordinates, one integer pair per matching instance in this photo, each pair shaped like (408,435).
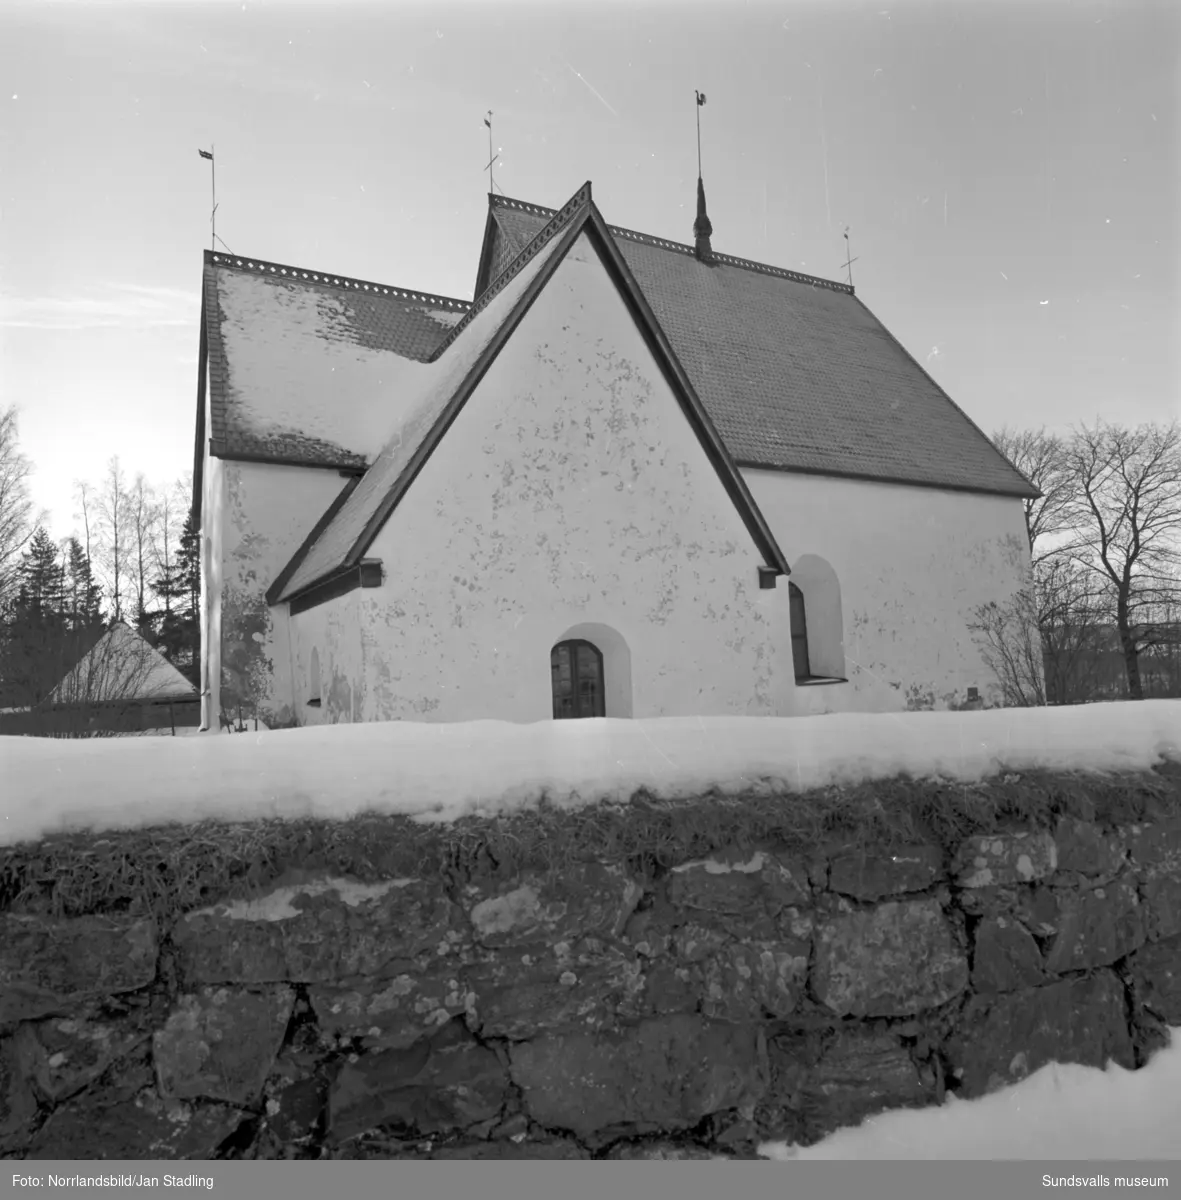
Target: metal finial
(491,157)
(848,263)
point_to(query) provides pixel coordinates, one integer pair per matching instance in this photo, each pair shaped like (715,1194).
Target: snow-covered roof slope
(307,367)
(424,405)
(122,667)
(439,772)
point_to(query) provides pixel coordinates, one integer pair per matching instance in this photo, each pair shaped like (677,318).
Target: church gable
(572,499)
(577,428)
(349,535)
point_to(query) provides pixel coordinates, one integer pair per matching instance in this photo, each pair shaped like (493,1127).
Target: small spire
(702,227)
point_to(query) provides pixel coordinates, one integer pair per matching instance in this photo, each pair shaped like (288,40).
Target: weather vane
(213,239)
(700,101)
(491,157)
(849,261)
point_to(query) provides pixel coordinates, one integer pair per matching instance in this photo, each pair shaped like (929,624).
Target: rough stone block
(1157,847)
(146,1127)
(586,900)
(1005,858)
(892,960)
(1097,927)
(319,931)
(221,1043)
(18,1105)
(49,965)
(518,993)
(450,1082)
(746,980)
(1156,852)
(294,1111)
(1162,906)
(672,988)
(392,1013)
(874,876)
(1006,957)
(662,1075)
(740,891)
(63,1055)
(1156,969)
(1005,1039)
(860,1075)
(1085,849)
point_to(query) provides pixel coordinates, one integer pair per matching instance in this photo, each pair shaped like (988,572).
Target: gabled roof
(795,371)
(378,328)
(457,368)
(122,667)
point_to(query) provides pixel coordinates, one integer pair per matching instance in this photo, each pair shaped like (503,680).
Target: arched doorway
(576,673)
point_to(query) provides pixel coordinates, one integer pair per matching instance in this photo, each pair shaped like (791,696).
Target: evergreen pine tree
(40,573)
(83,594)
(180,589)
(35,628)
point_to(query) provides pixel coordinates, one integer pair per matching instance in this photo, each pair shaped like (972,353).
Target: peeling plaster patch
(278,906)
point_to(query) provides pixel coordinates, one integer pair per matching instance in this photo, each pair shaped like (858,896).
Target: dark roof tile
(795,371)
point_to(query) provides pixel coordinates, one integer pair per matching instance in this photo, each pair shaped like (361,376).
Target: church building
(630,478)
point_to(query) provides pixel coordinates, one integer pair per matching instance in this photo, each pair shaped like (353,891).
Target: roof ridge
(650,239)
(239,262)
(557,218)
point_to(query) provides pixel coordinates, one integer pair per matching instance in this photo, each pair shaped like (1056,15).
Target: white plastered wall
(912,564)
(332,632)
(268,512)
(212,516)
(570,492)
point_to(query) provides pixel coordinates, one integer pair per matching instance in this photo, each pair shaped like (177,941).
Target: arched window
(799,633)
(817,627)
(576,671)
(314,681)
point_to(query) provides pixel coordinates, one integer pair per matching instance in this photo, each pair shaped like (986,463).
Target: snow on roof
(122,666)
(432,390)
(441,772)
(298,358)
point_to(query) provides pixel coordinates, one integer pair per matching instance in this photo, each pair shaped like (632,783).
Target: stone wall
(742,996)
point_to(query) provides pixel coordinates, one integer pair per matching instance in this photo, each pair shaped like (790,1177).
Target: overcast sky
(1008,171)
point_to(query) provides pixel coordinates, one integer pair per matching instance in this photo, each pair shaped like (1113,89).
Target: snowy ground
(1060,1113)
(438,772)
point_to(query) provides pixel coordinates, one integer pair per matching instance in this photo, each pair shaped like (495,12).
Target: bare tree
(84,498)
(1042,458)
(112,509)
(1071,620)
(170,512)
(142,518)
(1126,514)
(17,516)
(1011,647)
